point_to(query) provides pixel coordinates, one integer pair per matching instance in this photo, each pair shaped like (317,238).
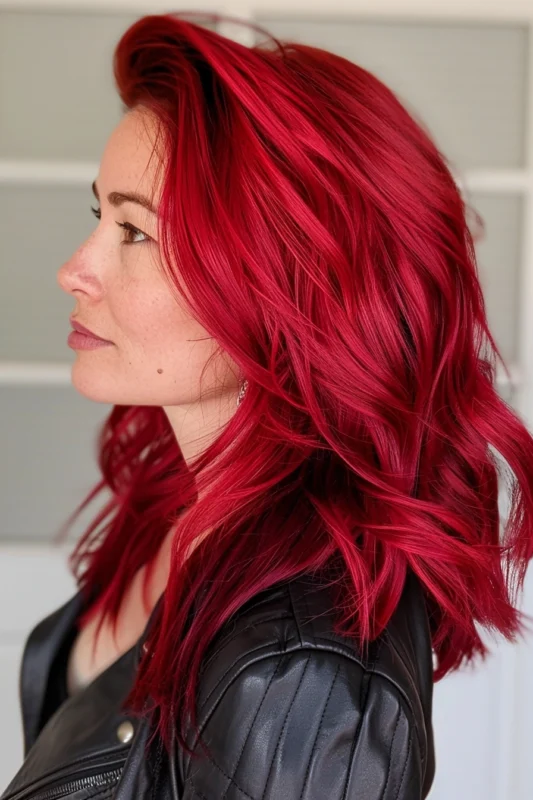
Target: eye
(131,230)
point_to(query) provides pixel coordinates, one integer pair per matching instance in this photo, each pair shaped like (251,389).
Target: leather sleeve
(309,724)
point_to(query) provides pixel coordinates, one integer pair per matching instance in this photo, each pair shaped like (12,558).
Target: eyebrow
(116,199)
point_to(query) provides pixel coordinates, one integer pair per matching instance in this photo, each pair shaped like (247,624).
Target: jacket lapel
(38,654)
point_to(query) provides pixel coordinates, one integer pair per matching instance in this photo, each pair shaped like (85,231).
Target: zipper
(102,781)
(62,786)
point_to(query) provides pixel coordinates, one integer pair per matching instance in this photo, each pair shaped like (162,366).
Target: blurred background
(465,69)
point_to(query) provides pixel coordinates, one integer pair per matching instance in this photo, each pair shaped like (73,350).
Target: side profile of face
(157,350)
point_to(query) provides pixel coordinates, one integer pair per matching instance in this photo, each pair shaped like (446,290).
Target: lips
(86,331)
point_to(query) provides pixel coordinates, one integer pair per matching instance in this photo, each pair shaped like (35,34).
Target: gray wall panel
(467,82)
(40,228)
(48,459)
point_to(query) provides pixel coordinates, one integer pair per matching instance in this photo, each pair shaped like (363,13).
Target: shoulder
(290,709)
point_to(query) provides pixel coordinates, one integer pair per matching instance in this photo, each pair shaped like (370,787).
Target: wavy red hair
(322,240)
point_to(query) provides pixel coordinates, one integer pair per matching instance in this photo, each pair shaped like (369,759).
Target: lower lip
(81,341)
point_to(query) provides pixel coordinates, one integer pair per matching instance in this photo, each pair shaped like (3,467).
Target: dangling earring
(242,391)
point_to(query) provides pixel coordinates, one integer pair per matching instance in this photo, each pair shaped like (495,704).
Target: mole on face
(160,371)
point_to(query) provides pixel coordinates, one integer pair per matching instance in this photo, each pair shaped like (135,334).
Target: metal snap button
(125,731)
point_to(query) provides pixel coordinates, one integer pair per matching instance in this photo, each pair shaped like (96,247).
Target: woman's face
(156,350)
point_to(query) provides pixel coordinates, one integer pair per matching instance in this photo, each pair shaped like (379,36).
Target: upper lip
(82,329)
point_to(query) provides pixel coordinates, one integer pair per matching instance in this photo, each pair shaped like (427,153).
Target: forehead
(129,161)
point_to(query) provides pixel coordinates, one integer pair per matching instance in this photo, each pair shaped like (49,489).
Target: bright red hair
(323,243)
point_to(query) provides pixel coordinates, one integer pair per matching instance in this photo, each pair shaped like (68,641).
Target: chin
(93,383)
(98,383)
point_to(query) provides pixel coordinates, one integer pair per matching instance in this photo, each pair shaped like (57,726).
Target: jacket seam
(294,614)
(319,643)
(369,673)
(365,689)
(236,767)
(287,715)
(234,635)
(401,656)
(233,664)
(333,682)
(409,746)
(233,782)
(329,646)
(391,749)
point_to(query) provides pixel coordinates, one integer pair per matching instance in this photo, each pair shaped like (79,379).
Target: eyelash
(131,230)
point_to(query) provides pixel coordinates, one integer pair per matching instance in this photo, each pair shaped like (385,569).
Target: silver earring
(242,391)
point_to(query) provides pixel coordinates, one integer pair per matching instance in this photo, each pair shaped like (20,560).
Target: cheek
(153,324)
(141,306)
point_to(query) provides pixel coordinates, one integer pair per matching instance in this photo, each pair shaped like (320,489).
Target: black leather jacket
(289,711)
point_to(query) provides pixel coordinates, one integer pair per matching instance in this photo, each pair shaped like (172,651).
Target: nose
(78,276)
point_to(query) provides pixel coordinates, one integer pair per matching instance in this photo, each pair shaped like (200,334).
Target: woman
(283,308)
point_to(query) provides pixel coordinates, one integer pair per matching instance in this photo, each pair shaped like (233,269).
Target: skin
(121,295)
(157,353)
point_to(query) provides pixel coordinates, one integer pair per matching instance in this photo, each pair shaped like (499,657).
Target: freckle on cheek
(160,371)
